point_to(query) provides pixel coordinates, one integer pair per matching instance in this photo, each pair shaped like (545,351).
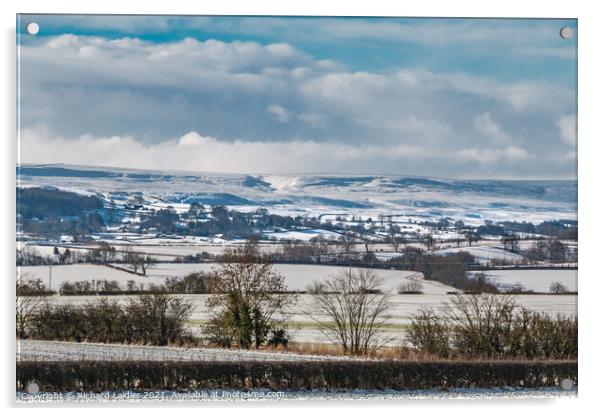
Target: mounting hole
(33,388)
(567,384)
(33,28)
(566,32)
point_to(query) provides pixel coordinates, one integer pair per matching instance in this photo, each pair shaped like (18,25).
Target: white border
(590,34)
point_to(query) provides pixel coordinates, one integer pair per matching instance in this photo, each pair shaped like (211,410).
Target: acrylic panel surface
(226,188)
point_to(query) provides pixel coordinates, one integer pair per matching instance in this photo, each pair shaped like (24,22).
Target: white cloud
(202,153)
(568,129)
(279,113)
(511,154)
(484,124)
(195,152)
(194,85)
(268,101)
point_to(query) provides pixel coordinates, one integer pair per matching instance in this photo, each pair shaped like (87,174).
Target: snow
(77,272)
(484,254)
(59,351)
(536,280)
(387,255)
(363,196)
(303,235)
(66,239)
(35,350)
(297,276)
(163,249)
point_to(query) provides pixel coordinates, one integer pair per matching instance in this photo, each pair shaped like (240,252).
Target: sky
(462,98)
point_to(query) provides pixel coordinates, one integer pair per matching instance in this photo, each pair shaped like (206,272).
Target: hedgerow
(149,319)
(97,376)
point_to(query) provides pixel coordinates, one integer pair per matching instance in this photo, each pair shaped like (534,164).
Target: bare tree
(347,239)
(30,296)
(355,307)
(195,211)
(319,246)
(138,262)
(366,241)
(132,259)
(146,263)
(429,241)
(511,242)
(470,325)
(106,252)
(480,321)
(556,250)
(65,256)
(394,237)
(459,225)
(251,246)
(471,237)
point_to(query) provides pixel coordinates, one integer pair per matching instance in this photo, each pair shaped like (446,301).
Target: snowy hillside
(473,201)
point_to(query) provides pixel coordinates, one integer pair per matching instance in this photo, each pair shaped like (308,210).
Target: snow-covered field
(297,277)
(166,252)
(484,254)
(35,350)
(304,235)
(536,280)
